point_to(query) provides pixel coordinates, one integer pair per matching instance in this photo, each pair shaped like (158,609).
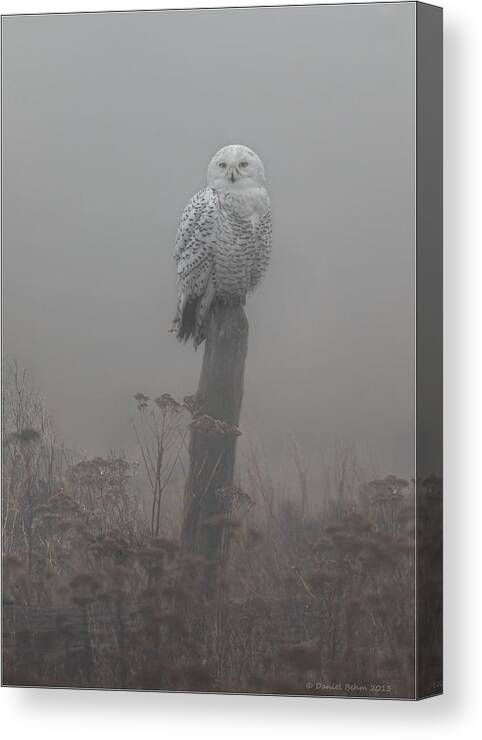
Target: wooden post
(212,449)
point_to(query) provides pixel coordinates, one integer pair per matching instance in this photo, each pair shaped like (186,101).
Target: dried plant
(160,435)
(317,582)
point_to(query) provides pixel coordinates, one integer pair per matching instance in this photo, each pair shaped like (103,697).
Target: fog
(109,123)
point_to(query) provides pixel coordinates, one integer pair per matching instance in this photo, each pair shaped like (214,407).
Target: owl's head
(235,167)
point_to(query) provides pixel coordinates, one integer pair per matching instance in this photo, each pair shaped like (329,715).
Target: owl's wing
(262,250)
(193,254)
(193,242)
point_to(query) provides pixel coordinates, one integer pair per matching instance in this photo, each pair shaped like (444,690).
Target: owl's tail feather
(191,316)
(202,310)
(184,325)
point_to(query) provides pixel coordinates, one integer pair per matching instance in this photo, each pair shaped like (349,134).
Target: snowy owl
(223,241)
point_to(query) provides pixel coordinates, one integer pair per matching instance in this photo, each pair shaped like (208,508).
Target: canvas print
(221,376)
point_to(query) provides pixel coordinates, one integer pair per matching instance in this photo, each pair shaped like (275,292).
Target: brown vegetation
(315,592)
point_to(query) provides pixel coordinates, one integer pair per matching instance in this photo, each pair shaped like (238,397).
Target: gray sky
(109,123)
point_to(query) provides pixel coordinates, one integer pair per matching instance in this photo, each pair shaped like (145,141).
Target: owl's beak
(234,176)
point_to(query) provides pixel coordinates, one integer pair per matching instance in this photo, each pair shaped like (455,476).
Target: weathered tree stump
(212,449)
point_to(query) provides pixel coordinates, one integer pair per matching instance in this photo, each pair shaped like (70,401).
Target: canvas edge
(429,351)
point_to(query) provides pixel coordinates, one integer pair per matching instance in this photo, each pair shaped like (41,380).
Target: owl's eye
(243,164)
(222,165)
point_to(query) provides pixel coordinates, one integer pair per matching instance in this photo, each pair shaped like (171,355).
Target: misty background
(109,121)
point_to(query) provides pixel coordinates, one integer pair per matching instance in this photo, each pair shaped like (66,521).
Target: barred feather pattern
(222,250)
